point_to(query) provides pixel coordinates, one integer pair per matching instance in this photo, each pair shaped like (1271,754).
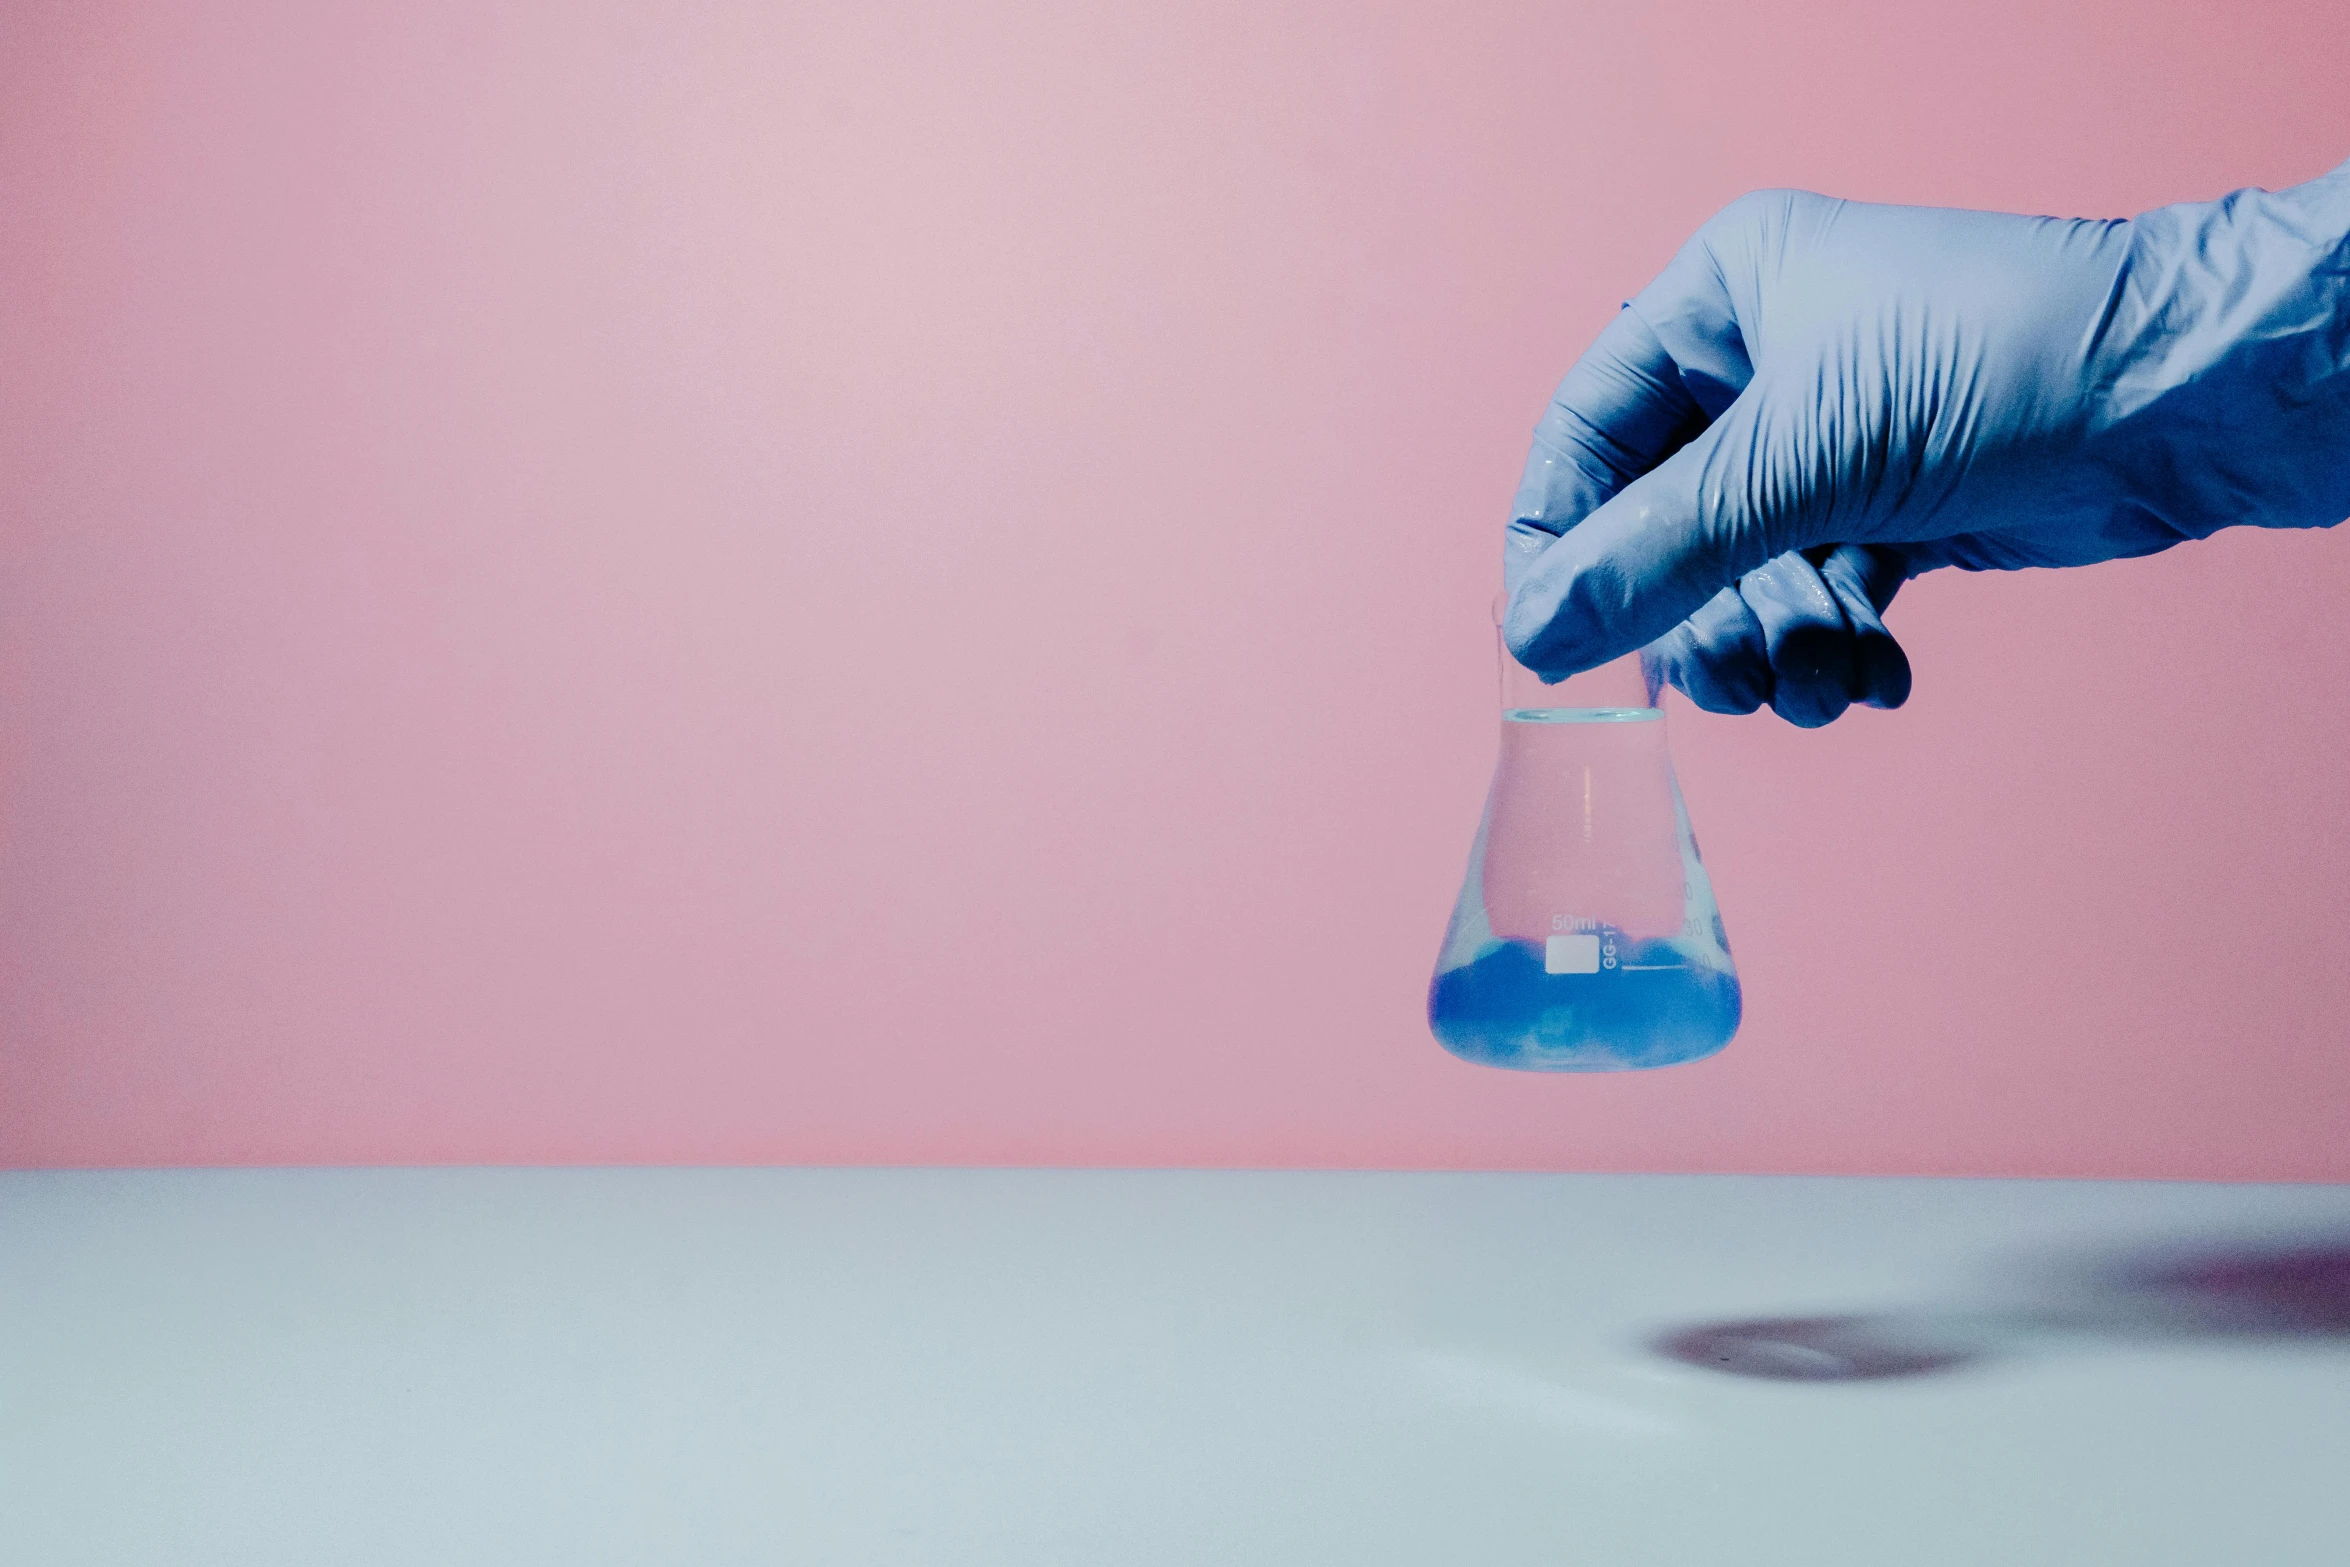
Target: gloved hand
(1820,399)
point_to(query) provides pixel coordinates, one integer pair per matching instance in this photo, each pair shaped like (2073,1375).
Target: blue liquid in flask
(1586,937)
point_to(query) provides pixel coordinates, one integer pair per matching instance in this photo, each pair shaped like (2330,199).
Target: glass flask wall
(1585,938)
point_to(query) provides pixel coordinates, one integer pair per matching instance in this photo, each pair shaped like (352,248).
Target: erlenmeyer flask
(1586,937)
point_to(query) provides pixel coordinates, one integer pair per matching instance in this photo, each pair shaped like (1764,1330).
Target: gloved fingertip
(1714,690)
(1864,579)
(1885,677)
(1731,703)
(1716,657)
(1809,704)
(1813,671)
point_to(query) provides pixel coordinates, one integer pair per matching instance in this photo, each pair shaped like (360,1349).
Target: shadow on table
(2273,1291)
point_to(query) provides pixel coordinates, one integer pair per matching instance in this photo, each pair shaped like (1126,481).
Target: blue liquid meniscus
(1660,1008)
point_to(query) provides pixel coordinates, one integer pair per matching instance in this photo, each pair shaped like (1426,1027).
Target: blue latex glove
(1820,399)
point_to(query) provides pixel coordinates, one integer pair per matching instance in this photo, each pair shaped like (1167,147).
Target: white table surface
(711,1367)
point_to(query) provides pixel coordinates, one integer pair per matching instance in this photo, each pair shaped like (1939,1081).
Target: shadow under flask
(1586,937)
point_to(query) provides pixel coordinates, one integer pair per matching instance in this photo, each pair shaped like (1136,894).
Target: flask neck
(1625,686)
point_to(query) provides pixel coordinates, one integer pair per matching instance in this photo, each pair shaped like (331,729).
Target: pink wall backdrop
(905,583)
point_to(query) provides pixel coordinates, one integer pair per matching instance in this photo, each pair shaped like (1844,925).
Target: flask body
(1585,937)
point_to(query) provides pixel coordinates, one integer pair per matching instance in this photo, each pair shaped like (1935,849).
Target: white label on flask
(1571,955)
